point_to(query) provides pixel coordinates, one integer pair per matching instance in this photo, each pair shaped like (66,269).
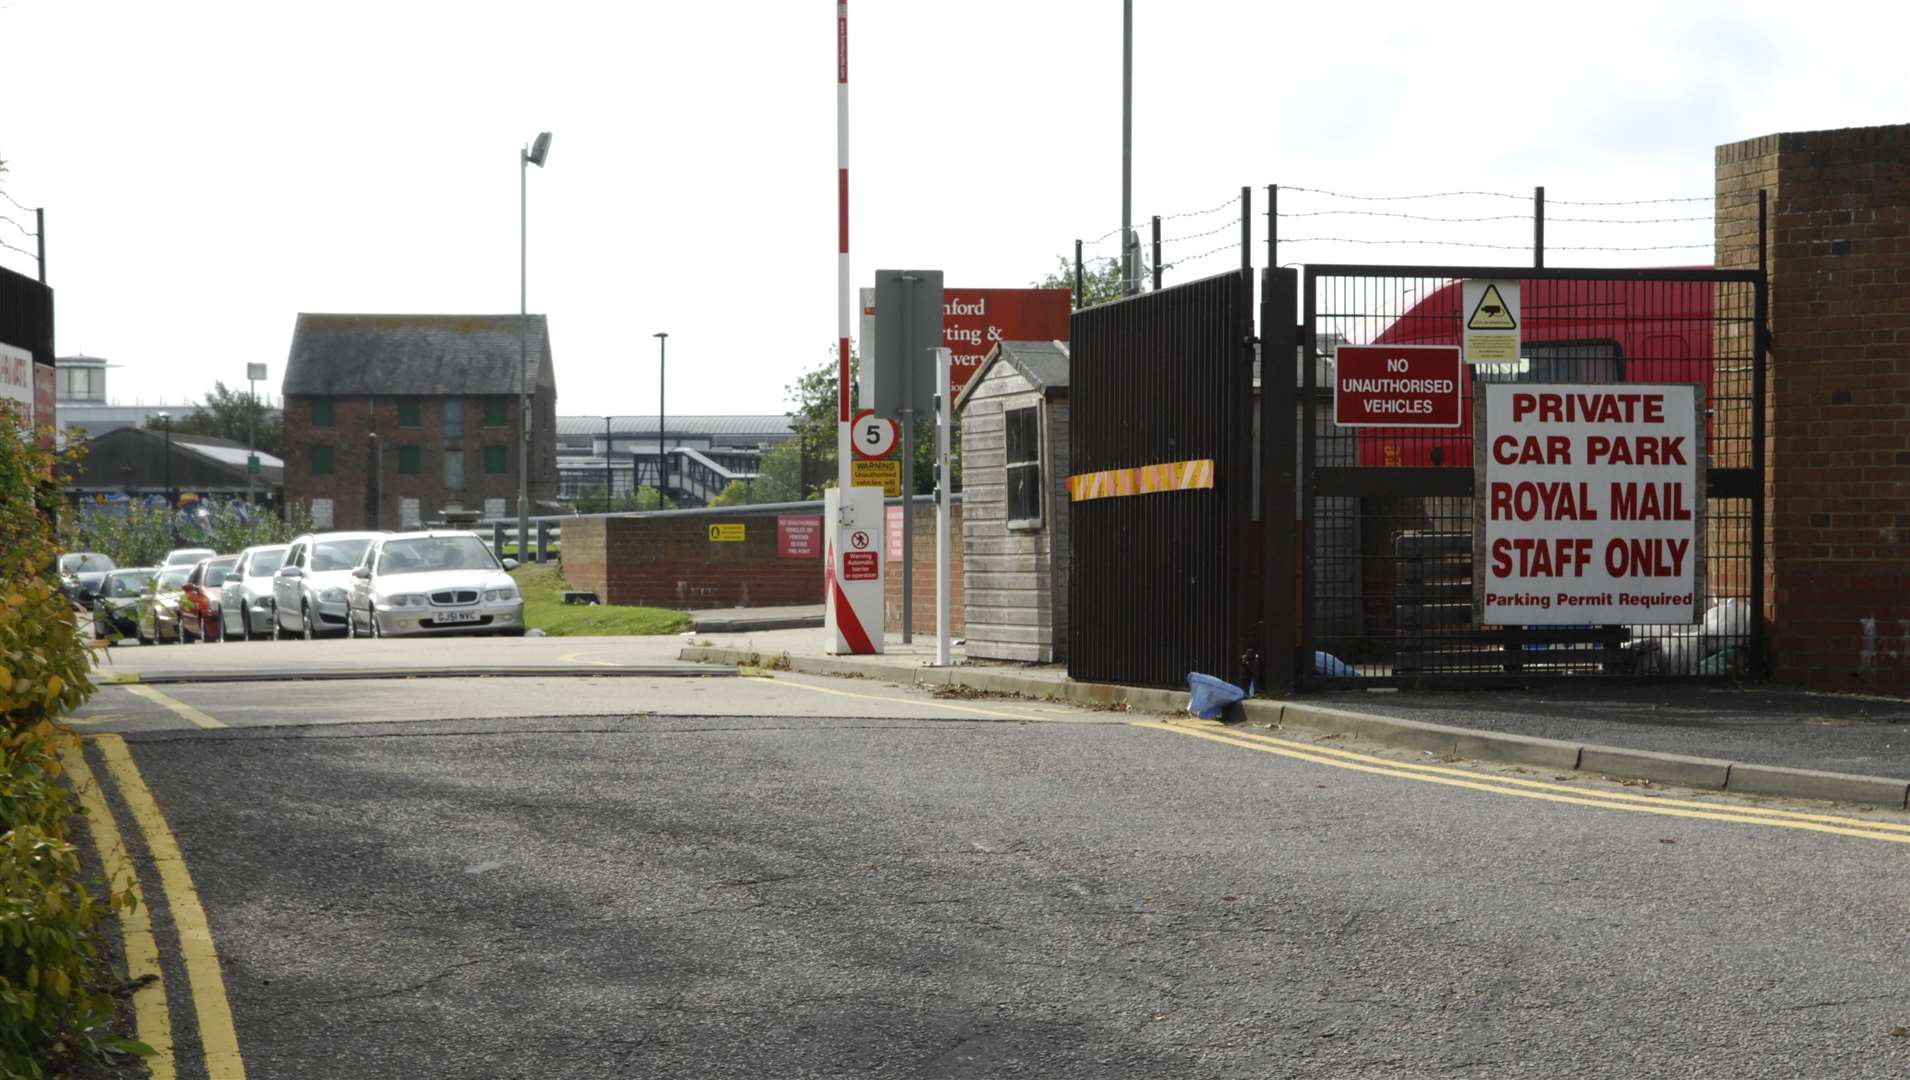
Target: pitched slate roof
(1043,363)
(413,354)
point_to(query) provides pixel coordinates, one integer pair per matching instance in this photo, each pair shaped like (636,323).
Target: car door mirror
(510,564)
(363,573)
(291,572)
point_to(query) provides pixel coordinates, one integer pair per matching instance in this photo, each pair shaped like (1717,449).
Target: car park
(80,575)
(246,600)
(309,592)
(158,619)
(200,618)
(188,557)
(437,582)
(116,602)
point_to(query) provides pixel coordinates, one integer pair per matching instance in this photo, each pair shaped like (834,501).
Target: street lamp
(663,340)
(607,484)
(533,154)
(171,500)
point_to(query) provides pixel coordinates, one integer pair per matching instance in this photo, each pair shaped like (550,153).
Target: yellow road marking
(1863,830)
(151,1017)
(1539,785)
(903,701)
(184,710)
(217,1036)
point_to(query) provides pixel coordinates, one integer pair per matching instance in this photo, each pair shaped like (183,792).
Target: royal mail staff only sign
(1588,505)
(1396,386)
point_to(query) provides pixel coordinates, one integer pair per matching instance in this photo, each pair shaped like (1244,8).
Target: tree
(734,493)
(813,416)
(225,414)
(1100,280)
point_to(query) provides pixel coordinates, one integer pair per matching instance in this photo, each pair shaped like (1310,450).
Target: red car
(199,608)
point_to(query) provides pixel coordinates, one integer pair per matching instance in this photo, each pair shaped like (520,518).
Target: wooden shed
(1015,503)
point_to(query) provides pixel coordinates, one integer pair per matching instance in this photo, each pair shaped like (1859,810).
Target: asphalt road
(816,878)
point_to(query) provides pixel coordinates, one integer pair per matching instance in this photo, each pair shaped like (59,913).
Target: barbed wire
(1407,217)
(14,201)
(21,250)
(1235,223)
(1408,198)
(1492,247)
(1234,201)
(1169,265)
(1627,221)
(23,229)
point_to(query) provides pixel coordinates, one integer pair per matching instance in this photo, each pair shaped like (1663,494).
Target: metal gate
(1385,548)
(1160,412)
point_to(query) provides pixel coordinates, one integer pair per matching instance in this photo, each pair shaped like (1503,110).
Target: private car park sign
(1396,386)
(1589,505)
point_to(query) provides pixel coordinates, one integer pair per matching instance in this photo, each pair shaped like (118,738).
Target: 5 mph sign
(873,436)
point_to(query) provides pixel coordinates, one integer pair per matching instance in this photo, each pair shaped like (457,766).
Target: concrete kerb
(1438,739)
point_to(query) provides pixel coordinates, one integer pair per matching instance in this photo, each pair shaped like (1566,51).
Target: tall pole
(1538,226)
(39,232)
(523,353)
(1130,279)
(842,248)
(607,485)
(663,340)
(251,445)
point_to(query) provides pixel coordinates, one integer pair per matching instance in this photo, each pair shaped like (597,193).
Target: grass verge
(544,609)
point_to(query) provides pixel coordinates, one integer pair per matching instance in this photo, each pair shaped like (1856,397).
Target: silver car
(434,583)
(246,605)
(309,591)
(188,557)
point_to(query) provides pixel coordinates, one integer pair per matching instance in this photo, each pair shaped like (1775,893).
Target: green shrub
(132,535)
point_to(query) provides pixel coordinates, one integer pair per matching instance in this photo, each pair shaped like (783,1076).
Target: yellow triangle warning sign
(1491,312)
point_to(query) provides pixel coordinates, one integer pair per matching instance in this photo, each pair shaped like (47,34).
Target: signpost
(1413,386)
(1490,307)
(1591,502)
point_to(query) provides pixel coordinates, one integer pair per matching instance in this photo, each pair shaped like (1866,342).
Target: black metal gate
(1385,547)
(1157,380)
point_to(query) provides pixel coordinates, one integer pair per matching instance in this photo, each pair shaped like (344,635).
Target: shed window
(1023,430)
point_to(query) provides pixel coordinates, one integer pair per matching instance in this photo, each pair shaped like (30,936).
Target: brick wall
(1838,402)
(348,484)
(671,562)
(924,576)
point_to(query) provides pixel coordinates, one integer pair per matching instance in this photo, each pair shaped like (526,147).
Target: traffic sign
(885,474)
(252,464)
(873,436)
(1409,386)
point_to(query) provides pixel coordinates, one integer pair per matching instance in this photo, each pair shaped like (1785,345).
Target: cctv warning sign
(1491,328)
(1592,499)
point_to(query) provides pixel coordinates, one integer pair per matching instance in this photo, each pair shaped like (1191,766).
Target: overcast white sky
(210,169)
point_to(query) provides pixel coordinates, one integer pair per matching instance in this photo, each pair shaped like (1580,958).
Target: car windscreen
(430,553)
(189,558)
(265,563)
(217,572)
(174,577)
(338,554)
(121,586)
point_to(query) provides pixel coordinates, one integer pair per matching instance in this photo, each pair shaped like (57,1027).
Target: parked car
(309,591)
(433,583)
(158,620)
(188,557)
(80,576)
(246,602)
(116,602)
(199,615)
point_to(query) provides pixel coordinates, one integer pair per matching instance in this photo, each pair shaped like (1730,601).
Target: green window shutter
(496,459)
(410,460)
(408,411)
(322,461)
(322,414)
(496,411)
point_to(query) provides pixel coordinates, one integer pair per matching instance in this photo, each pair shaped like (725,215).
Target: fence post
(497,540)
(1246,231)
(1157,253)
(1279,480)
(543,541)
(1077,276)
(1538,227)
(1273,225)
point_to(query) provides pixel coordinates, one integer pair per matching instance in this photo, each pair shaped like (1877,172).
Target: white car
(437,582)
(246,605)
(188,556)
(309,591)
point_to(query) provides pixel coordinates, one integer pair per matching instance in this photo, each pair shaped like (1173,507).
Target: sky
(211,169)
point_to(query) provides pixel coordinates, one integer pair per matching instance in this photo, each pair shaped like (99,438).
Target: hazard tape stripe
(1142,480)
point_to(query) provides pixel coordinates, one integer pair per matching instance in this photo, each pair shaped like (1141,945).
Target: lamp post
(253,373)
(663,341)
(171,527)
(607,484)
(533,154)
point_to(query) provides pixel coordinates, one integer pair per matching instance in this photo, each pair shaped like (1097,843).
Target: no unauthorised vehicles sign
(1396,386)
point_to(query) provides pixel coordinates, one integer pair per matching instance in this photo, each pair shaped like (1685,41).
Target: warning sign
(727,534)
(1396,386)
(860,566)
(885,474)
(1492,320)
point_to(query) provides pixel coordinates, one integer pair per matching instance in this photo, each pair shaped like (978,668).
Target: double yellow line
(152,1013)
(1890,832)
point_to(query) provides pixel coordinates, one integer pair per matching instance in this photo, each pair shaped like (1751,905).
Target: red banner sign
(973,320)
(798,537)
(1396,386)
(860,566)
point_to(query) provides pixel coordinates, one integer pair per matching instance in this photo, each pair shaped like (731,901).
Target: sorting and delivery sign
(1396,386)
(1592,500)
(1490,307)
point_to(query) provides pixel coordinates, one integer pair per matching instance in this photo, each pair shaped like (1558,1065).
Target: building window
(454,470)
(322,413)
(454,418)
(496,460)
(324,462)
(410,460)
(408,411)
(1023,429)
(496,411)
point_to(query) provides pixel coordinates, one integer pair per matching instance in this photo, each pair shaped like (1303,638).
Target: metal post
(1760,411)
(171,501)
(1538,227)
(942,423)
(1246,229)
(1273,226)
(1278,480)
(375,485)
(608,491)
(39,232)
(1157,253)
(523,351)
(1079,302)
(908,465)
(663,342)
(1128,277)
(251,444)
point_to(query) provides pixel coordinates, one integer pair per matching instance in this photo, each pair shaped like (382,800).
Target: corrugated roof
(412,354)
(774,425)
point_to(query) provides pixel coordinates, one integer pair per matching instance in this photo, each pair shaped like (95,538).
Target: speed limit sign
(873,436)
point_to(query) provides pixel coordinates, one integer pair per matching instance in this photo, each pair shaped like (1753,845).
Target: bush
(133,535)
(53,987)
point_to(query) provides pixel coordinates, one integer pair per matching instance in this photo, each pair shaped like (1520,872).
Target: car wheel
(305,623)
(351,623)
(371,616)
(245,626)
(179,633)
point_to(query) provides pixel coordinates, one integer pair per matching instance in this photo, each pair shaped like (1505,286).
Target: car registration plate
(456,616)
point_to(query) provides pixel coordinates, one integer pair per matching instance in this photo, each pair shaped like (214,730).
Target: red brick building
(392,419)
(1837,563)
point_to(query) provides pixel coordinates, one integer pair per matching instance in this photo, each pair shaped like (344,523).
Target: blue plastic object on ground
(1325,663)
(1210,696)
